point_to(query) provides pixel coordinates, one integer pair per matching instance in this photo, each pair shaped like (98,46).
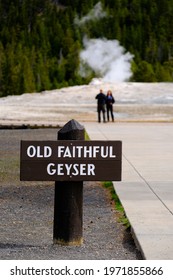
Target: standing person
(101,101)
(109,104)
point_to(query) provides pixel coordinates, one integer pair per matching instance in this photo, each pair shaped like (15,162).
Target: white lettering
(60,151)
(74,151)
(60,169)
(50,170)
(111,152)
(47,151)
(104,151)
(79,149)
(95,150)
(75,167)
(67,152)
(82,169)
(31,151)
(91,168)
(39,155)
(87,150)
(78,152)
(68,167)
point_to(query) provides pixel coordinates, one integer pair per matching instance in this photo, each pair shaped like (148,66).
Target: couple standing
(103,100)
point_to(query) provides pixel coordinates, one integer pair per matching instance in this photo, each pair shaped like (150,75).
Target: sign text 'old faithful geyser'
(70,160)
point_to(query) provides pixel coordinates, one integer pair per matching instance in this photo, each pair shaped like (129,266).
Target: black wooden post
(68,206)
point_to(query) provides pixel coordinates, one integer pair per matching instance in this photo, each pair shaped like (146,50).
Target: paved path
(146,189)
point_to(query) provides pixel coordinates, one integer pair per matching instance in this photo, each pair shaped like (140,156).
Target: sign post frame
(68,162)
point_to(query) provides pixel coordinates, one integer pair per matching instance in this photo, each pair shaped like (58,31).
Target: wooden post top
(71,131)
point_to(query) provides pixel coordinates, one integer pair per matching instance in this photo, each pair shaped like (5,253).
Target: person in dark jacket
(109,105)
(101,101)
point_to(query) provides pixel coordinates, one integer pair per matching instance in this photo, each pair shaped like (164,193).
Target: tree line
(40,43)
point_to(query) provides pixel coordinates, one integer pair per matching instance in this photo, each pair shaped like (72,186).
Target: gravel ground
(26,229)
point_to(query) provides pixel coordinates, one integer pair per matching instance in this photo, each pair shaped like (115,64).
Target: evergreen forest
(40,42)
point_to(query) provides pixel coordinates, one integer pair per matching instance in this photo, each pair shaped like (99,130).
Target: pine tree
(40,43)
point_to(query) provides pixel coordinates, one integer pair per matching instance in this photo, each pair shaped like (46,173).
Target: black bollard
(68,206)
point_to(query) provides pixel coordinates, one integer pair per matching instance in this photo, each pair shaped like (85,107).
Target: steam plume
(107,59)
(95,14)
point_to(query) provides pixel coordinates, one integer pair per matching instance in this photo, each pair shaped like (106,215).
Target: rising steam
(106,58)
(95,14)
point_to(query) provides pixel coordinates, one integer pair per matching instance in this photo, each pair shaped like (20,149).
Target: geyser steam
(107,58)
(95,14)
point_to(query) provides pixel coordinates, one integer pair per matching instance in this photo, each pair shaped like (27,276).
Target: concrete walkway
(146,189)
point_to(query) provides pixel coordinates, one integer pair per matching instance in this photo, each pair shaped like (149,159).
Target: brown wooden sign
(71,160)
